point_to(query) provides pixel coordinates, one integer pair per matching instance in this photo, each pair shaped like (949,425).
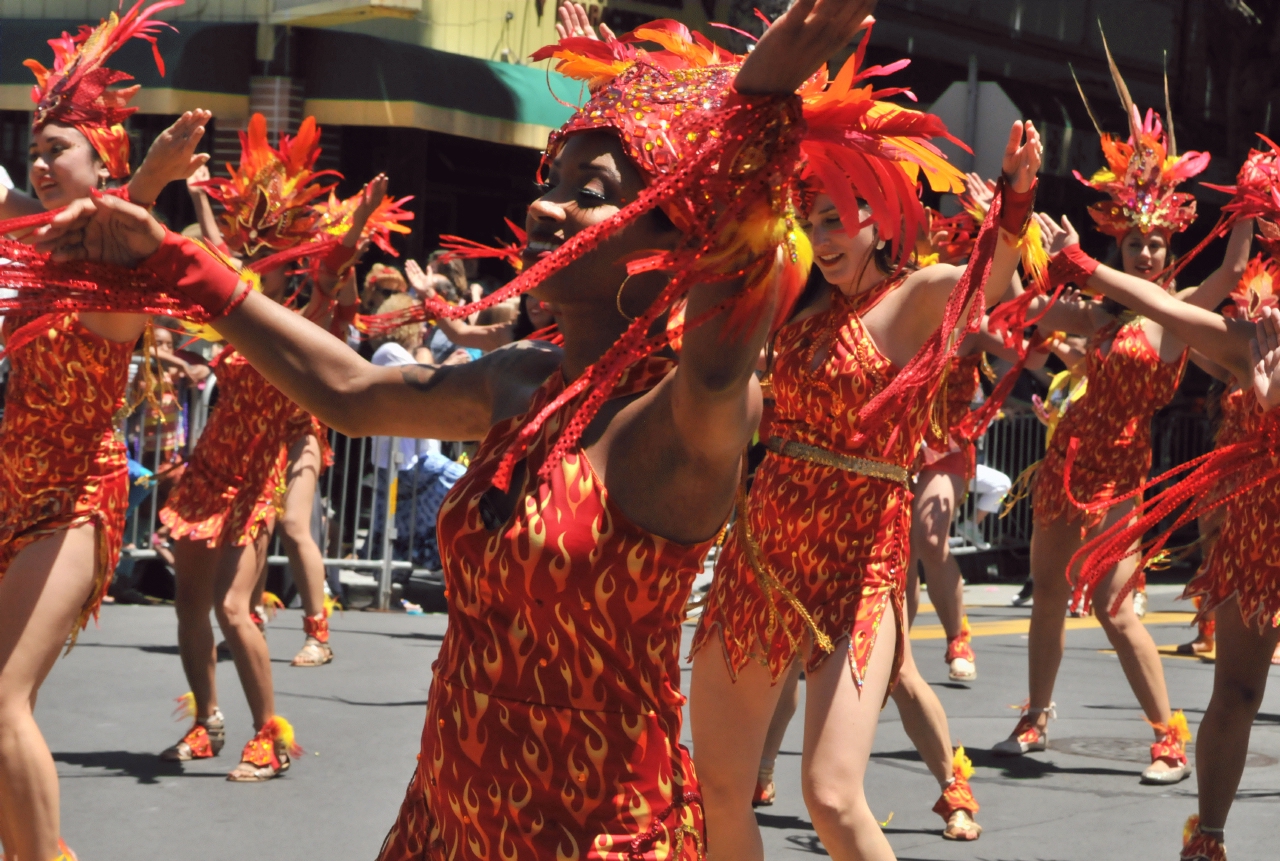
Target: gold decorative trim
(860,465)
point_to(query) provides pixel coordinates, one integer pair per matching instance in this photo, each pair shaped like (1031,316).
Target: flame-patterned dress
(955,454)
(824,549)
(1112,421)
(553,720)
(1244,561)
(62,463)
(233,487)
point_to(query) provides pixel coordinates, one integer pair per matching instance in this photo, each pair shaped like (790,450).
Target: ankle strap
(1051,710)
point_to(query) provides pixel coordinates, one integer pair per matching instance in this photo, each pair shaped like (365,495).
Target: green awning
(349,78)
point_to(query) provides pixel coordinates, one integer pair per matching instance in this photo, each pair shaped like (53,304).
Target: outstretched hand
(1022,156)
(370,197)
(101,229)
(574,22)
(172,154)
(418,280)
(199,175)
(1054,236)
(1265,352)
(979,192)
(800,41)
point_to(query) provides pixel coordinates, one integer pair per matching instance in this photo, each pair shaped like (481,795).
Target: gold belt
(860,465)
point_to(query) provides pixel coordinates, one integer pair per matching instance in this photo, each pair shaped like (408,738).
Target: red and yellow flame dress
(831,544)
(553,721)
(234,486)
(1244,561)
(1112,420)
(955,454)
(62,464)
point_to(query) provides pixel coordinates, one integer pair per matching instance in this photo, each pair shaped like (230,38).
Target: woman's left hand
(172,155)
(1265,351)
(105,229)
(1056,237)
(1022,156)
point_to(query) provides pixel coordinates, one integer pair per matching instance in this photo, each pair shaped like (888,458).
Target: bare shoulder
(937,278)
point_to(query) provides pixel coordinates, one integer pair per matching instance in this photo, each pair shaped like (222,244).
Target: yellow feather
(186,709)
(961,763)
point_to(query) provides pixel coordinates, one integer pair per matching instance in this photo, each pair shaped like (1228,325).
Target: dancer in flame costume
(1236,420)
(1238,582)
(257,448)
(553,721)
(63,477)
(815,567)
(1133,367)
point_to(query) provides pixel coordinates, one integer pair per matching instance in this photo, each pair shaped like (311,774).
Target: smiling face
(540,313)
(590,180)
(63,165)
(844,256)
(1144,254)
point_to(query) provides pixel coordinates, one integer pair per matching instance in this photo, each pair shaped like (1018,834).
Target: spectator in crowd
(381,283)
(424,474)
(532,315)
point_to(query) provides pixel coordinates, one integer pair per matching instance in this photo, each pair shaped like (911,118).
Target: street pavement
(105,712)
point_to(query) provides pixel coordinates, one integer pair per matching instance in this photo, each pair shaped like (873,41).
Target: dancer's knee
(1240,698)
(835,804)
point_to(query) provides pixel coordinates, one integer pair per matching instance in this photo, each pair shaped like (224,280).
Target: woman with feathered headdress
(1132,367)
(63,473)
(1240,580)
(814,570)
(259,459)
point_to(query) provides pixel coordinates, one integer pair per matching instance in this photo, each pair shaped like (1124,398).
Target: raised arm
(1210,292)
(204,208)
(315,370)
(460,332)
(171,157)
(1224,341)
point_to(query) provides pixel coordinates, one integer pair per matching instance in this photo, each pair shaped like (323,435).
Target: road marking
(1004,627)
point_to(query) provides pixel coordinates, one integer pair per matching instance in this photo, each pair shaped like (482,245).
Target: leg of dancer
(195,565)
(1052,544)
(41,597)
(783,712)
(925,722)
(235,579)
(304,554)
(937,494)
(1239,681)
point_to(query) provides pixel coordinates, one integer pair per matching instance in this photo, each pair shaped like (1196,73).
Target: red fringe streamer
(923,374)
(1245,464)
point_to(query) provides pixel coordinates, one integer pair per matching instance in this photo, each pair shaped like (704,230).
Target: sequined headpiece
(1142,174)
(269,201)
(74,92)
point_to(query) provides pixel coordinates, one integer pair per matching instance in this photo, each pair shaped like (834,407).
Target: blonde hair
(402,335)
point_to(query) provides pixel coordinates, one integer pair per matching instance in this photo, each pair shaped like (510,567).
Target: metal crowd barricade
(352,501)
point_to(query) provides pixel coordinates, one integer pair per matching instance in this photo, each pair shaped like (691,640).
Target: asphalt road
(105,712)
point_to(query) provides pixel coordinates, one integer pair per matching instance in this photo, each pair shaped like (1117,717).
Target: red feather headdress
(1257,289)
(269,200)
(389,217)
(74,92)
(1142,173)
(859,147)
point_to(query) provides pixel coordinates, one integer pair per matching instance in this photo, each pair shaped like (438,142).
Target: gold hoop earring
(618,300)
